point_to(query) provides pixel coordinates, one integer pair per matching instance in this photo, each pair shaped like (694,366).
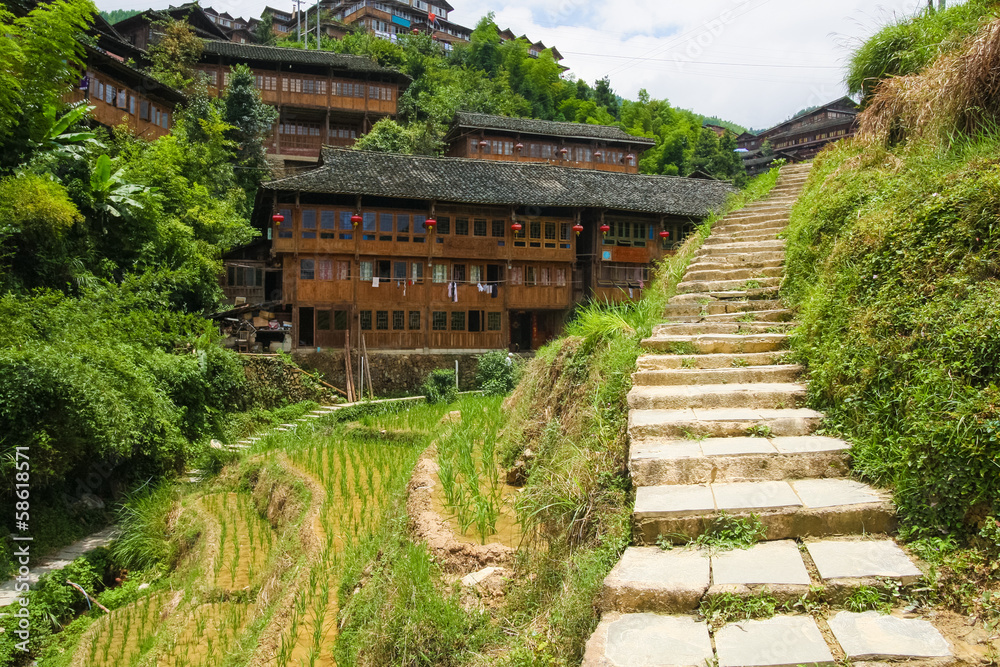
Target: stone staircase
(717,428)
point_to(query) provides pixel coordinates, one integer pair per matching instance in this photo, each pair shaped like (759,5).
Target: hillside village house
(324,98)
(801,138)
(120,92)
(428,253)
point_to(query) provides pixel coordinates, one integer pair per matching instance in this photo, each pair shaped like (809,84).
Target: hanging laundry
(455,298)
(630,295)
(496,289)
(375,281)
(451,289)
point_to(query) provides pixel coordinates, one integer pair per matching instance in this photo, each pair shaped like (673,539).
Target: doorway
(520,332)
(307,325)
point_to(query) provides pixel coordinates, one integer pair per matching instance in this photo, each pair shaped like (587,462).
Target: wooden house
(524,140)
(800,138)
(428,253)
(119,91)
(324,98)
(140,30)
(388,19)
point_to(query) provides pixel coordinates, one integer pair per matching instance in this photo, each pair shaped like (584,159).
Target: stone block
(776,563)
(651,579)
(649,640)
(857,559)
(873,636)
(782,641)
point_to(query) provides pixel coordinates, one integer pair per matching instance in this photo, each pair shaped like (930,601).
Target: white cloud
(754,62)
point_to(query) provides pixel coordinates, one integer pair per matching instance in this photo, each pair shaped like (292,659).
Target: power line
(701,62)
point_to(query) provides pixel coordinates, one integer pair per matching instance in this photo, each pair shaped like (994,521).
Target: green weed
(727,532)
(729,607)
(760,431)
(740,362)
(868,598)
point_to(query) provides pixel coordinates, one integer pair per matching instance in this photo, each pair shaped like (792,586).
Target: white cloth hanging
(375,281)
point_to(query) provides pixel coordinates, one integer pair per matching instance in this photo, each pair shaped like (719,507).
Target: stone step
(716,423)
(731,344)
(781,641)
(666,461)
(782,315)
(752,222)
(733,274)
(845,564)
(662,362)
(725,285)
(698,297)
(720,307)
(734,328)
(735,248)
(707,376)
(726,262)
(777,396)
(649,640)
(798,508)
(870,636)
(742,237)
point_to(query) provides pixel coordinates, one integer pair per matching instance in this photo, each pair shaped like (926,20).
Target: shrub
(496,373)
(440,386)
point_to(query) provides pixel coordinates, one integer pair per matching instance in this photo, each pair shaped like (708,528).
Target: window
(479,227)
(417,272)
(458,273)
(399,270)
(399,320)
(439,321)
(564,231)
(131,105)
(385,224)
(144,111)
(529,275)
(325,269)
(414,320)
(403,224)
(343,270)
(367,271)
(307,269)
(327,224)
(517,275)
(536,229)
(382,320)
(458,320)
(462,226)
(323,320)
(418,225)
(550,231)
(560,277)
(493,321)
(285,230)
(543,277)
(340,320)
(444,226)
(345,223)
(368,225)
(440,273)
(383,269)
(497,230)
(308,224)
(366,320)
(475,274)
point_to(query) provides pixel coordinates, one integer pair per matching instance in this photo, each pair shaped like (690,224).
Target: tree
(264,32)
(705,152)
(484,47)
(605,96)
(250,120)
(175,53)
(387,136)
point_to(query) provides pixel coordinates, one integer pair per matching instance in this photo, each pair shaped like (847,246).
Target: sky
(752,62)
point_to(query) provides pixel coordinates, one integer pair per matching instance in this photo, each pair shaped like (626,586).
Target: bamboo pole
(368,368)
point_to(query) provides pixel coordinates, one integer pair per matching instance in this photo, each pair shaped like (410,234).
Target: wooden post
(368,370)
(352,395)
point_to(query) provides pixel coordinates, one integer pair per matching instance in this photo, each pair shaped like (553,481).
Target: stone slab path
(717,425)
(57,561)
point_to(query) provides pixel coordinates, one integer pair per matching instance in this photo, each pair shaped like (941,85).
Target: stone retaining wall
(393,373)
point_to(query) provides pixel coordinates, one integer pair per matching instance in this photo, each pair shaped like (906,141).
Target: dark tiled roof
(276,54)
(813,127)
(547,127)
(488,182)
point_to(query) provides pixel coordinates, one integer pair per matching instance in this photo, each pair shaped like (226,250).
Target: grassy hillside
(894,262)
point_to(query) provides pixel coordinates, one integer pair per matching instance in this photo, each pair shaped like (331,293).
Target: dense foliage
(488,76)
(894,261)
(908,46)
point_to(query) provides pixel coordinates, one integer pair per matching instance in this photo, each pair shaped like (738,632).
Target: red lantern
(278,219)
(519,147)
(598,154)
(630,157)
(356,219)
(430,223)
(517,227)
(564,150)
(664,235)
(484,143)
(605,228)
(416,32)
(578,228)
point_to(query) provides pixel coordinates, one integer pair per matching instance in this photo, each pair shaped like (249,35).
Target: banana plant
(112,195)
(57,137)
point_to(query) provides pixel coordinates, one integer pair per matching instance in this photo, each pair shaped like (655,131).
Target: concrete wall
(393,373)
